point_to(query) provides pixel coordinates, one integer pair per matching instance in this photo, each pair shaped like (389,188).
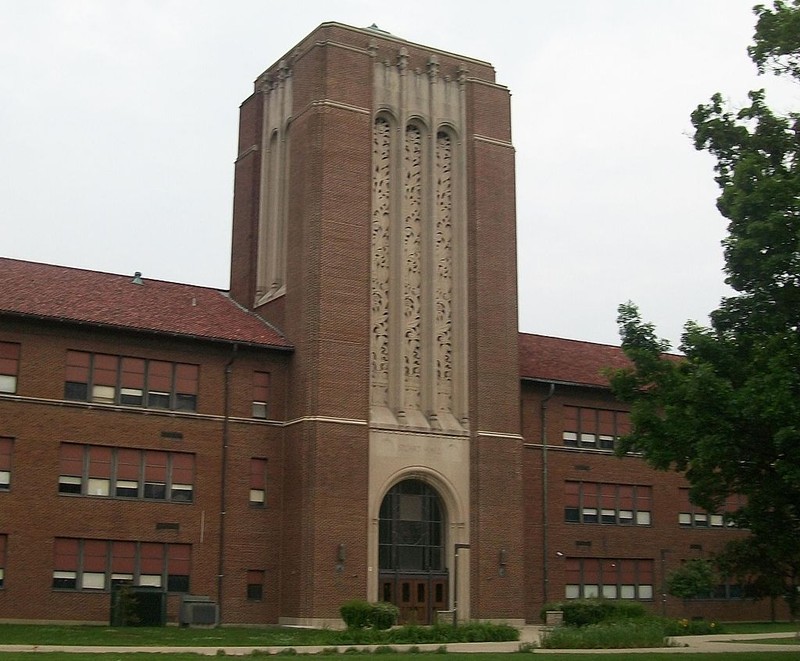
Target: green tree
(694,578)
(728,414)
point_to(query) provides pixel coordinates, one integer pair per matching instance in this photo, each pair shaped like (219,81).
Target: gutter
(224,479)
(545,496)
(146,331)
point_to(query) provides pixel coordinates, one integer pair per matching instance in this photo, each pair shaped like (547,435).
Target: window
(70,479)
(94,470)
(3,545)
(99,474)
(127,381)
(593,429)
(65,564)
(258,482)
(609,578)
(178,563)
(9,367)
(691,516)
(155,475)
(261,381)
(611,504)
(97,564)
(131,391)
(255,585)
(6,449)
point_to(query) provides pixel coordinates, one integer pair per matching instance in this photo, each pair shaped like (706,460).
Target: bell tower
(374,224)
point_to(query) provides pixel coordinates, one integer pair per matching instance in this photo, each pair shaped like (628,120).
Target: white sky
(118,125)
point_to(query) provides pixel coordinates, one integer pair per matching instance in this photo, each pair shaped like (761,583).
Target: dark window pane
(255,591)
(410,557)
(158,400)
(69,487)
(126,491)
(185,402)
(182,495)
(155,490)
(65,583)
(385,556)
(572,514)
(177,583)
(131,397)
(78,392)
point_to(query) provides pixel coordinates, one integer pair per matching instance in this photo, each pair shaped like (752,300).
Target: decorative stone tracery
(381,206)
(412,285)
(413,345)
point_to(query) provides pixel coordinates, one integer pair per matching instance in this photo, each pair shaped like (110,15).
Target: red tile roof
(59,293)
(544,358)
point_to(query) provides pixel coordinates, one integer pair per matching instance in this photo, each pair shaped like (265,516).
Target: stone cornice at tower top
(381,45)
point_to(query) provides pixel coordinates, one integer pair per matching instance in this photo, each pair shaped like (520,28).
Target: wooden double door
(419,597)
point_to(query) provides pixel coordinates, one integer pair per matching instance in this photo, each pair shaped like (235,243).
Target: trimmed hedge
(582,612)
(360,614)
(471,632)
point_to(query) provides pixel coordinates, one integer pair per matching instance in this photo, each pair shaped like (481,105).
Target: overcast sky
(118,125)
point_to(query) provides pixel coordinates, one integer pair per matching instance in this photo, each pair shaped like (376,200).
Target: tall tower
(374,224)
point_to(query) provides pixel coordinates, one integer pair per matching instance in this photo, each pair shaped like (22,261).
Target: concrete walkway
(529,634)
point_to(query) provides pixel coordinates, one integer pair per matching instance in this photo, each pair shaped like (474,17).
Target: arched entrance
(411,551)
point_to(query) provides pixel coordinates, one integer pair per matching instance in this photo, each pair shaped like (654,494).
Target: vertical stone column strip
(443,277)
(399,86)
(412,247)
(271,265)
(460,266)
(381,215)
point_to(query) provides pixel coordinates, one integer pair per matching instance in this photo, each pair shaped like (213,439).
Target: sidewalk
(528,634)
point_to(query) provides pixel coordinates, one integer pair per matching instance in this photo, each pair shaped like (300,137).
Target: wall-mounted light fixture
(502,561)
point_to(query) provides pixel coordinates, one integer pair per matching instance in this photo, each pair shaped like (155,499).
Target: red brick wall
(34,513)
(244,246)
(608,541)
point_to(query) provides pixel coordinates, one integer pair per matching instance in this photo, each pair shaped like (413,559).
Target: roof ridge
(111,274)
(570,339)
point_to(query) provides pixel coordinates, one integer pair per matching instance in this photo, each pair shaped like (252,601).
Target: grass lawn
(538,656)
(106,636)
(758,627)
(770,641)
(39,634)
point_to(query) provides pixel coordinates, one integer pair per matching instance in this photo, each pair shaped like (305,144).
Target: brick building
(359,416)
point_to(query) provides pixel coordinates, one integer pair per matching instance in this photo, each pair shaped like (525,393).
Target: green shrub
(582,612)
(360,614)
(685,627)
(434,634)
(356,613)
(383,615)
(619,634)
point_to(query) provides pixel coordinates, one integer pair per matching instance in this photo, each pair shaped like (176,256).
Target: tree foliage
(728,415)
(693,578)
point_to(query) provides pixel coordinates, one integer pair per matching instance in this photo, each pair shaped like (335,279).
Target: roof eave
(559,382)
(148,331)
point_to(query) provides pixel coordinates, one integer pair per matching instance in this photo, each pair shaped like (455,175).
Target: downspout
(545,503)
(224,478)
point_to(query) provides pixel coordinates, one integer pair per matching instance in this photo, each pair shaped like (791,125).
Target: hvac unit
(198,611)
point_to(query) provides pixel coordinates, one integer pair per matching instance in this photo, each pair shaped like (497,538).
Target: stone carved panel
(443,281)
(412,244)
(381,217)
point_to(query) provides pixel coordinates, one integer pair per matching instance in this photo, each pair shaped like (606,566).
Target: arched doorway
(411,551)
